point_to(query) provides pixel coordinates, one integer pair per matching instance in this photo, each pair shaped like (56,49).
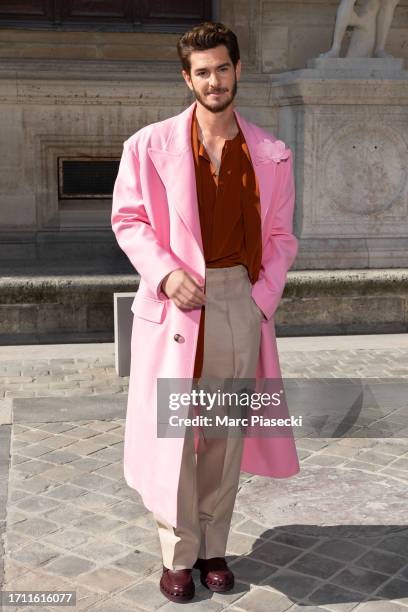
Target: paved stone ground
(334,537)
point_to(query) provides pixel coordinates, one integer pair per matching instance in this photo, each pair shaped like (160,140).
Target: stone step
(64,308)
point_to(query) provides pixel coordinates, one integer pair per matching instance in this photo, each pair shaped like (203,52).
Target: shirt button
(178,338)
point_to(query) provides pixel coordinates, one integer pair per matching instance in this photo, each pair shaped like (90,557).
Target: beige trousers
(209,479)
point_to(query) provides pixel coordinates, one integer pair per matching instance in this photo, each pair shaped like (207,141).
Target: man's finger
(193,288)
(190,300)
(192,294)
(194,280)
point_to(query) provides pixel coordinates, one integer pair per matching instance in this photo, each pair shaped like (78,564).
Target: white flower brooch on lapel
(271,151)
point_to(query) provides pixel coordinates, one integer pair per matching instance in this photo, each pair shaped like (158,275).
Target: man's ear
(238,69)
(187,79)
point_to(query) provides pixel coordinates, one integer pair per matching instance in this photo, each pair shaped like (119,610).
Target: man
(202,206)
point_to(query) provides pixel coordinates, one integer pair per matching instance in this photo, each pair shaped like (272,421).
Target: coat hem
(147,502)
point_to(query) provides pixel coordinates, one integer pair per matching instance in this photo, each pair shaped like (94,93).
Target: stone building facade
(73,91)
(73,88)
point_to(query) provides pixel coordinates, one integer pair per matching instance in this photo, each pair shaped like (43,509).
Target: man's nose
(214,81)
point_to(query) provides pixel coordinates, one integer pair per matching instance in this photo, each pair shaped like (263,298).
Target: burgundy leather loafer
(215,574)
(177,585)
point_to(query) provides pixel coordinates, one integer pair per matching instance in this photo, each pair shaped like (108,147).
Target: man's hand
(183,289)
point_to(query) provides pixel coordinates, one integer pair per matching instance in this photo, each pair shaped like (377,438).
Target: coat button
(178,338)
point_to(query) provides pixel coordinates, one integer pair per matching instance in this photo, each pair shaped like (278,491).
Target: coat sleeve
(282,245)
(133,228)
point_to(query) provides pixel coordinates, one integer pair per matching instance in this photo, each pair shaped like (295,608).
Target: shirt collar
(200,148)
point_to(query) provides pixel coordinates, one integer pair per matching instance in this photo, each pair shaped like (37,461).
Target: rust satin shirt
(229,210)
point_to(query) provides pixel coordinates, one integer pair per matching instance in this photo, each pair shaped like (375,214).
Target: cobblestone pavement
(334,537)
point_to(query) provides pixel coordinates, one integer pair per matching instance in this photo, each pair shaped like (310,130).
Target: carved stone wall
(356,177)
(89,111)
(83,93)
(349,135)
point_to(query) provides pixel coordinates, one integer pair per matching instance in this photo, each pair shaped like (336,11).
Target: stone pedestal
(358,67)
(347,123)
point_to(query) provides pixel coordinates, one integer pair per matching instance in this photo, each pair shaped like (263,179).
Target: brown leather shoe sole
(182,596)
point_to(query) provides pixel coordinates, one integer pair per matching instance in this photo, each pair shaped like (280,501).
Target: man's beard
(217,108)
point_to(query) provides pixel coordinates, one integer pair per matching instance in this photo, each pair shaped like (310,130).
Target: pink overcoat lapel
(175,166)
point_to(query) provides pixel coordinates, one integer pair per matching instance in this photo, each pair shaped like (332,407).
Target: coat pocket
(148,308)
(258,311)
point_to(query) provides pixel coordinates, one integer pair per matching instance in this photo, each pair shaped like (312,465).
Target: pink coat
(156,223)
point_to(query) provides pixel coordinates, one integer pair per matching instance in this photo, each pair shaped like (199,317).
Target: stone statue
(371,26)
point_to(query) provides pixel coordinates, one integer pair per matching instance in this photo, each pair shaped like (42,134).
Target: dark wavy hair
(205,36)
